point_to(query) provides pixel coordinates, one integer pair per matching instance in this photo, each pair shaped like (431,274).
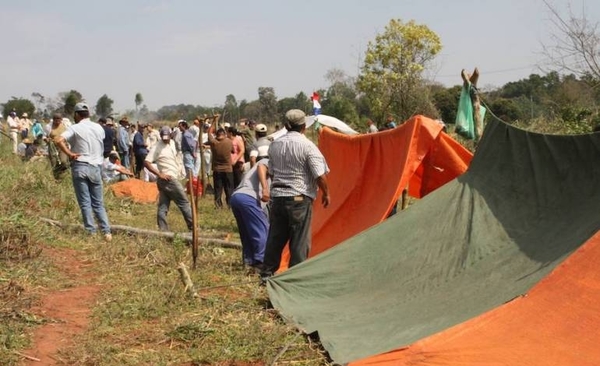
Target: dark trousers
(223,181)
(172,190)
(238,173)
(139,164)
(290,220)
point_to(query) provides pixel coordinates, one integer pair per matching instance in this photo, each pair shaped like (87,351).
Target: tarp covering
(323,120)
(555,324)
(527,202)
(369,172)
(138,190)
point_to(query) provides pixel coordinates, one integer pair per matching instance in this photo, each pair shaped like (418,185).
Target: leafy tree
(181,111)
(69,99)
(446,101)
(19,106)
(39,100)
(300,101)
(341,85)
(252,110)
(393,67)
(104,106)
(342,109)
(230,109)
(138,101)
(268,104)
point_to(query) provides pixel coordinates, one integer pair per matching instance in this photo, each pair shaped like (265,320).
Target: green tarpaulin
(525,204)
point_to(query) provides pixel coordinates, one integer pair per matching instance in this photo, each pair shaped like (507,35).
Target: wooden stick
(30,358)
(164,234)
(194,219)
(187,280)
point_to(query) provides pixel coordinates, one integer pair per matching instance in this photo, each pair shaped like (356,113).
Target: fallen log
(145,232)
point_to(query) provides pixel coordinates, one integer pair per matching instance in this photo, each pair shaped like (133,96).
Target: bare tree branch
(575,43)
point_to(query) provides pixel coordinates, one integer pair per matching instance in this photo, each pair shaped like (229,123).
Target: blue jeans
(125,159)
(253,225)
(87,182)
(188,163)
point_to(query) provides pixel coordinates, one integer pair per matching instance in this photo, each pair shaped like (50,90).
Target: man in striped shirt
(298,168)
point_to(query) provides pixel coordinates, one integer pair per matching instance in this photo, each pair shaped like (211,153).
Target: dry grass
(143,315)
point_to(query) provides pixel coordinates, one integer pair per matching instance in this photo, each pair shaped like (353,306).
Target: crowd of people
(268,185)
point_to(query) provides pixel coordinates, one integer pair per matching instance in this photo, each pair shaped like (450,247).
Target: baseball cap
(295,117)
(165,131)
(81,107)
(260,128)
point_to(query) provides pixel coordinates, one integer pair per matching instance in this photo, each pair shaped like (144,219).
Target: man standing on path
(86,154)
(297,168)
(167,170)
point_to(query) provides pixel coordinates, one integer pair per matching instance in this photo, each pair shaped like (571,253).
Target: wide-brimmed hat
(124,119)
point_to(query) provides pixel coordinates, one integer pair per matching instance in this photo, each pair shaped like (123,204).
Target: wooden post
(194,208)
(202,172)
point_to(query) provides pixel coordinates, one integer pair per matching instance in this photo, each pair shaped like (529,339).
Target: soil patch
(66,310)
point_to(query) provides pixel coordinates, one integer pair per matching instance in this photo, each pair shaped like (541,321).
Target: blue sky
(197,52)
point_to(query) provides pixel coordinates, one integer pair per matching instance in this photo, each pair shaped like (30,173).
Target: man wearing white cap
(25,125)
(168,170)
(86,153)
(260,148)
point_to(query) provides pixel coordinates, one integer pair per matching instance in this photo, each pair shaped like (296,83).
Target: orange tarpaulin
(139,191)
(369,172)
(556,323)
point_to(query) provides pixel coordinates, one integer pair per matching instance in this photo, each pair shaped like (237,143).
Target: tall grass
(143,315)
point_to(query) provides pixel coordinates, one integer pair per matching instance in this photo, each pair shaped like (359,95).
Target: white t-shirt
(165,157)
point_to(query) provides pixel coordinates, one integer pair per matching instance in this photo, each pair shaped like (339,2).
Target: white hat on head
(81,107)
(260,128)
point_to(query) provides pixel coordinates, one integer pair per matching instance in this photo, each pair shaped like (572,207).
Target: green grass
(143,315)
